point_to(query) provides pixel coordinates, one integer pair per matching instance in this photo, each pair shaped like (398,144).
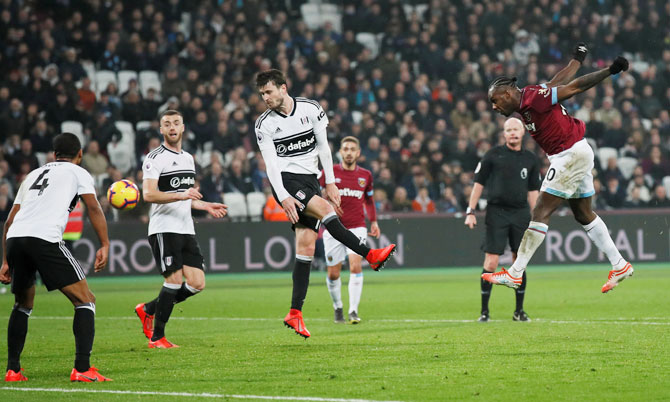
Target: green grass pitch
(418,340)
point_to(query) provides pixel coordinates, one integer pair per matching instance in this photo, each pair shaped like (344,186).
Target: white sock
(355,290)
(532,238)
(600,236)
(334,288)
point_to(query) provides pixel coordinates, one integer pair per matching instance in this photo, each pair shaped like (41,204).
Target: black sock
(83,327)
(520,293)
(344,236)
(17,329)
(164,306)
(183,293)
(486,292)
(150,307)
(300,281)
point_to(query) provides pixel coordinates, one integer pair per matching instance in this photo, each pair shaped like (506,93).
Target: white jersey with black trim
(293,136)
(175,173)
(47,196)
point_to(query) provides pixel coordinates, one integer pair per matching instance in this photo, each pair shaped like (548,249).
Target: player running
(569,177)
(291,135)
(33,241)
(355,186)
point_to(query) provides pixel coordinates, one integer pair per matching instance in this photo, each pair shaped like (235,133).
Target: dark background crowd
(407,78)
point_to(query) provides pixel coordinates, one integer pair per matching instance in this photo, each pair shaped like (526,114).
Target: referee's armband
(469,211)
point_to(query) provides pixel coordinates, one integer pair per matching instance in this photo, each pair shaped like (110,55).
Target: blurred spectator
(273,211)
(93,161)
(400,203)
(213,183)
(238,180)
(660,198)
(41,136)
(448,203)
(25,155)
(422,202)
(656,164)
(614,194)
(525,46)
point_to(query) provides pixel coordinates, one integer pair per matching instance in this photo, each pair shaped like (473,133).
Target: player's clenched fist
(580,52)
(618,65)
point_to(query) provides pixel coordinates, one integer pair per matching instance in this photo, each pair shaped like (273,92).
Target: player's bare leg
(305,243)
(17,329)
(599,234)
(532,238)
(322,210)
(355,286)
(334,284)
(83,327)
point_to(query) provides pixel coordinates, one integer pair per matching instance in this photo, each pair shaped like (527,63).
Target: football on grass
(123,194)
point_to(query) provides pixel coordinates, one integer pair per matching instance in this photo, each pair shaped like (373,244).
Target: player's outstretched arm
(565,75)
(151,193)
(99,223)
(215,209)
(581,84)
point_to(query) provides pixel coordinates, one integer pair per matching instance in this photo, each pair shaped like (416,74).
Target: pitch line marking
(190,394)
(613,321)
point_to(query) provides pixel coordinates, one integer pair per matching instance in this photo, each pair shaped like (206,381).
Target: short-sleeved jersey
(508,176)
(355,186)
(547,121)
(292,136)
(47,196)
(175,173)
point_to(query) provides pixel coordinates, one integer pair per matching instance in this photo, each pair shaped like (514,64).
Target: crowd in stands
(408,78)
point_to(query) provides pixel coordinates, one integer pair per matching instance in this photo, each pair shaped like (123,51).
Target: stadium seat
(333,18)
(102,79)
(255,203)
(356,116)
(604,154)
(626,166)
(125,127)
(327,8)
(420,9)
(41,158)
(369,40)
(76,128)
(666,184)
(237,206)
(142,125)
(149,79)
(593,144)
(409,9)
(89,67)
(124,76)
(311,15)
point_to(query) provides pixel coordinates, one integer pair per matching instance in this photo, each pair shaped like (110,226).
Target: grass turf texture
(410,346)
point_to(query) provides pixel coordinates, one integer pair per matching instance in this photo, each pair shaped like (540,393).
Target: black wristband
(469,211)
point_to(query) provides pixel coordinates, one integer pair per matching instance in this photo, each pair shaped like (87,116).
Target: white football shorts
(569,175)
(336,252)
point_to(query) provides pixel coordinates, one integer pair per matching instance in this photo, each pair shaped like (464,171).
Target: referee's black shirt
(508,176)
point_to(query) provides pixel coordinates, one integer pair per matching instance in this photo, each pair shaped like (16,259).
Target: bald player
(512,180)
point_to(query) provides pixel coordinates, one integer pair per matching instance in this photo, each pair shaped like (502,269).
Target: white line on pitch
(613,321)
(189,394)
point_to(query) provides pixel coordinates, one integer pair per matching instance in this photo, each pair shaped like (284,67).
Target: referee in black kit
(512,177)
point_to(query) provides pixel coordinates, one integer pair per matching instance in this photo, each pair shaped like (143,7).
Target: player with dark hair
(355,186)
(569,177)
(291,135)
(33,241)
(169,177)
(511,176)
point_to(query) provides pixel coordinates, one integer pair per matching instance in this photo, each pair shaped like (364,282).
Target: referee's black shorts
(302,187)
(57,266)
(504,225)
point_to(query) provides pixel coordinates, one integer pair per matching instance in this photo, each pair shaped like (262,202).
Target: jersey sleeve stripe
(310,101)
(259,121)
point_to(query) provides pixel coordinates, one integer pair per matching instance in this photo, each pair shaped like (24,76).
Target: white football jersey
(46,196)
(292,136)
(175,173)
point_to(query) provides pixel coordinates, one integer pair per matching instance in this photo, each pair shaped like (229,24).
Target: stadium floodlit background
(407,78)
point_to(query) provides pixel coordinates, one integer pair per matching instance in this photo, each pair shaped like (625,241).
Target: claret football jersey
(547,121)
